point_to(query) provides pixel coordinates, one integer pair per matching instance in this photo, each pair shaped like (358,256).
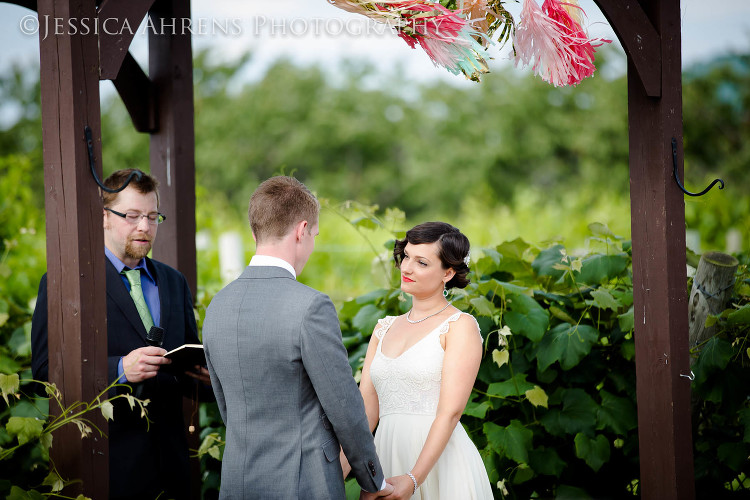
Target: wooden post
(712,287)
(659,271)
(75,241)
(173,158)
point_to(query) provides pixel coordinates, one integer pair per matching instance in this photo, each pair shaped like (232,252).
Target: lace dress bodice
(410,383)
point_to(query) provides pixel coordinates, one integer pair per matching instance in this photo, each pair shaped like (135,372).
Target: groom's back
(276,430)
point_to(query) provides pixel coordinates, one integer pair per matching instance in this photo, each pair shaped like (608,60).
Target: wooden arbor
(161,104)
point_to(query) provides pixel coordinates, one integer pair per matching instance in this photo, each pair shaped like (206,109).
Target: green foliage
(721,409)
(26,434)
(553,410)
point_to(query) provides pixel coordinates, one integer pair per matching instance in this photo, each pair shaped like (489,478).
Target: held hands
(143,363)
(403,487)
(365,495)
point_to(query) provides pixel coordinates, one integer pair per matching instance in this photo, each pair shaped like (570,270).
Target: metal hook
(677,176)
(90,144)
(691,377)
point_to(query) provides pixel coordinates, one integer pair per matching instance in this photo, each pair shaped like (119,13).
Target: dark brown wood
(137,94)
(659,271)
(75,254)
(639,38)
(119,21)
(29,4)
(173,155)
(173,145)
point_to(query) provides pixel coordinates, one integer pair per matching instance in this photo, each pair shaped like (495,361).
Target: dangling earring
(445,291)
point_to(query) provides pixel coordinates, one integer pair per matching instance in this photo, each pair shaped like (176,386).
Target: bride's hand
(403,488)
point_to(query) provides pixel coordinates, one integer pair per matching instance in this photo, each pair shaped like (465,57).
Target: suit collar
(265,272)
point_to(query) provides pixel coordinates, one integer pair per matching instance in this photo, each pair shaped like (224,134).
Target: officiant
(146,460)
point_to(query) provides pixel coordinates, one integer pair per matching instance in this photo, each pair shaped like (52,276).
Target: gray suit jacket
(285,391)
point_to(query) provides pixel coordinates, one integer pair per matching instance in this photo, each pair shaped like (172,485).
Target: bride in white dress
(418,374)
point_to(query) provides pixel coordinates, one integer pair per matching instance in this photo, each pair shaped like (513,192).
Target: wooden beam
(173,157)
(75,255)
(137,94)
(118,23)
(659,271)
(639,38)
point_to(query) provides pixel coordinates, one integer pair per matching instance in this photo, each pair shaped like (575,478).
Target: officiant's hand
(378,494)
(200,374)
(143,363)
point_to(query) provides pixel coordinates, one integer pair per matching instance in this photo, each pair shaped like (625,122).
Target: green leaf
(54,481)
(578,414)
(617,413)
(734,455)
(9,385)
(25,428)
(595,452)
(537,396)
(546,461)
(366,318)
(500,356)
(740,317)
(9,365)
(544,264)
(603,300)
(526,317)
(745,420)
(715,354)
(478,410)
(626,320)
(600,229)
(46,441)
(483,306)
(512,441)
(522,474)
(560,314)
(567,344)
(17,493)
(601,268)
(565,492)
(107,410)
(516,386)
(4,315)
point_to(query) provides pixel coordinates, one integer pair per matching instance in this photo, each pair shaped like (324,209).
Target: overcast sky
(313,31)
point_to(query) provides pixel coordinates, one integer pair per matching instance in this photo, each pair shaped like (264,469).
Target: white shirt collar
(267,260)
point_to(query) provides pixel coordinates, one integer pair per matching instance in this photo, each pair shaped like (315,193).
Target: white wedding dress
(408,390)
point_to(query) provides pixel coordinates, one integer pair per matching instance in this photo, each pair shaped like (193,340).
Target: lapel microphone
(155,336)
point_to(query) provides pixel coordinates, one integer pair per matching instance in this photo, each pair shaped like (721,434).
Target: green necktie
(136,292)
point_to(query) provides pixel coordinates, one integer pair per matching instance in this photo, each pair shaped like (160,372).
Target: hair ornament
(467,259)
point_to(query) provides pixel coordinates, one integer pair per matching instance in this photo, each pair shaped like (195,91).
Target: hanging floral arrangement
(457,34)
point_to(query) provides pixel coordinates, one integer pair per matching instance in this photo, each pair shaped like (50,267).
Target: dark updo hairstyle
(453,248)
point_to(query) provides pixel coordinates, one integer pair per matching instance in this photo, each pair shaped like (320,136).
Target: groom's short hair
(278,204)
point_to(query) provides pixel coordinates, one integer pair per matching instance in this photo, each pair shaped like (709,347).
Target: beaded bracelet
(414,480)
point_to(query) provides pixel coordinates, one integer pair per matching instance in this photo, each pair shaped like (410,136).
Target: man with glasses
(146,460)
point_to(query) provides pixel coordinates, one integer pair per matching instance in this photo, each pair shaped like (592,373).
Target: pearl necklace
(414,322)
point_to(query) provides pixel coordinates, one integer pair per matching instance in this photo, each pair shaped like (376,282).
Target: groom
(279,369)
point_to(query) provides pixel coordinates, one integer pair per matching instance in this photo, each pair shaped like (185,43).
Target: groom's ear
(299,230)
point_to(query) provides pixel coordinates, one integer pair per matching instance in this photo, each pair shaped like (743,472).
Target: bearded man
(146,461)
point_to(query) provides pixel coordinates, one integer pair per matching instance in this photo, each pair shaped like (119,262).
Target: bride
(419,371)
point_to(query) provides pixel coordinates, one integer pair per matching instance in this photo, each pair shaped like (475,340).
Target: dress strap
(383,325)
(446,325)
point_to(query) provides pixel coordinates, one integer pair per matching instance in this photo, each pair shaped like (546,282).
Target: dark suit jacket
(142,462)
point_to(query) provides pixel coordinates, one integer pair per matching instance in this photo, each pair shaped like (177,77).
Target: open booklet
(185,357)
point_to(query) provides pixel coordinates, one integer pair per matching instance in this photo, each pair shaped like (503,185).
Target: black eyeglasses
(134,218)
